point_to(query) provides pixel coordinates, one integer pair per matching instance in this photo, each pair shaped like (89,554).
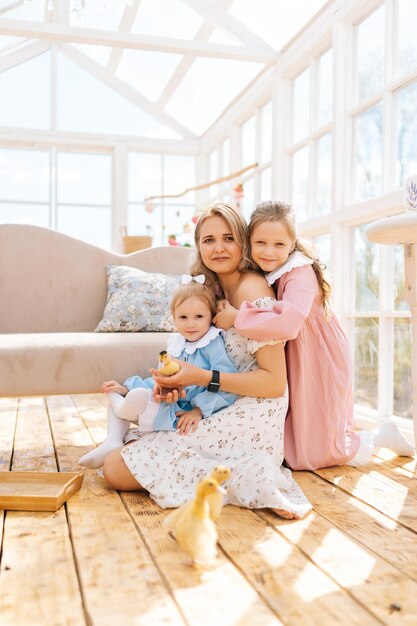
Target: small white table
(402,229)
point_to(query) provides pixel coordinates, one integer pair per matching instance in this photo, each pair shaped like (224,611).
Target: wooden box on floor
(134,243)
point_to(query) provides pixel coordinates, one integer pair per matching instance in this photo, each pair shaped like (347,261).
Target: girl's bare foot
(285,514)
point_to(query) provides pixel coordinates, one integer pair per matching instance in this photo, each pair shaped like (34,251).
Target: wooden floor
(103,558)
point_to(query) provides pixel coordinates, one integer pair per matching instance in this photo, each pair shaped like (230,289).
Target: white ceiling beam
(227,23)
(23,54)
(126,91)
(10,7)
(125,26)
(62,140)
(58,33)
(203,34)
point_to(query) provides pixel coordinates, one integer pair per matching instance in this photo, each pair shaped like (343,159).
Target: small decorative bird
(220,473)
(195,532)
(166,366)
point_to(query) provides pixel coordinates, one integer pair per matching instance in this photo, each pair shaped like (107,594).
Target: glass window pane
(16,213)
(266,181)
(266,138)
(367,272)
(84,178)
(366,362)
(407,20)
(226,157)
(207,89)
(248,142)
(179,175)
(300,183)
(402,368)
(301,106)
(90,224)
(247,203)
(140,221)
(178,224)
(100,109)
(399,278)
(325,87)
(323,246)
(24,175)
(145,176)
(213,172)
(324,174)
(407,133)
(371,54)
(369,132)
(25,94)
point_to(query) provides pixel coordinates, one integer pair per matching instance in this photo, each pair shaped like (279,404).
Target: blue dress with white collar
(209,353)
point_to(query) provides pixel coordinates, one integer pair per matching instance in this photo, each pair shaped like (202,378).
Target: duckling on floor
(166,366)
(195,532)
(220,473)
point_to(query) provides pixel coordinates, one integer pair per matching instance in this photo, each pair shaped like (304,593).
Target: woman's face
(219,251)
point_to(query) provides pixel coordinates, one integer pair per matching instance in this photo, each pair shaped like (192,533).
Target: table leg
(410,261)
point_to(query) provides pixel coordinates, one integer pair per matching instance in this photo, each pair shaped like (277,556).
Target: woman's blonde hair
(239,230)
(194,290)
(271,211)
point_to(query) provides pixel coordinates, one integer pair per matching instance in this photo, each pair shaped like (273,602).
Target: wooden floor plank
(39,582)
(373,529)
(300,592)
(370,579)
(8,416)
(118,576)
(407,463)
(392,475)
(220,595)
(383,497)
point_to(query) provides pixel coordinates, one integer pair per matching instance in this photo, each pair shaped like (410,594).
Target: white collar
(177,343)
(296,259)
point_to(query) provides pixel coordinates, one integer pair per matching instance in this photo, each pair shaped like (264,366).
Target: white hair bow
(186,278)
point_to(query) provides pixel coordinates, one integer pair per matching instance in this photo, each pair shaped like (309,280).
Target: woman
(248,436)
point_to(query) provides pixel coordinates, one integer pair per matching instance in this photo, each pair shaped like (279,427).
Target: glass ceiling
(185,61)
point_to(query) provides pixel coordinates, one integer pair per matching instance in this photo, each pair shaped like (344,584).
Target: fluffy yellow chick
(220,473)
(195,532)
(166,366)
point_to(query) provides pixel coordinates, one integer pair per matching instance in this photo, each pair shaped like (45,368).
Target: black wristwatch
(215,381)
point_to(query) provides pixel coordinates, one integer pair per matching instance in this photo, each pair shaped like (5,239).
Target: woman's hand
(226,315)
(188,421)
(188,375)
(113,386)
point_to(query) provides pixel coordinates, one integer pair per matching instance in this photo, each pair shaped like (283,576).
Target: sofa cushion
(137,301)
(65,363)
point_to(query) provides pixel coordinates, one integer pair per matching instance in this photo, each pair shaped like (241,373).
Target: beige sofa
(53,291)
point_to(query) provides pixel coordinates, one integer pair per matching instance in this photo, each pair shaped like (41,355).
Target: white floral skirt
(248,437)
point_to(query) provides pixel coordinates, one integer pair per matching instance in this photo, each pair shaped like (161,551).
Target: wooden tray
(37,491)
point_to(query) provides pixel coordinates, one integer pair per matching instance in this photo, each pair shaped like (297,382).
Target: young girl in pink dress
(319,429)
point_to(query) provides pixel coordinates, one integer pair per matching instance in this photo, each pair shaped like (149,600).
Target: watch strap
(214,386)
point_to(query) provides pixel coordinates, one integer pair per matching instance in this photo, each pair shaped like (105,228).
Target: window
(162,219)
(311,149)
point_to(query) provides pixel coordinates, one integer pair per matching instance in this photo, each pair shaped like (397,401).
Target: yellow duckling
(196,532)
(220,473)
(166,366)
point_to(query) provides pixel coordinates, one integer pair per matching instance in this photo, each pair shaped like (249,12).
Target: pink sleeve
(287,316)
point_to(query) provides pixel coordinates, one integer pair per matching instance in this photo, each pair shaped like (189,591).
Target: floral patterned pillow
(137,300)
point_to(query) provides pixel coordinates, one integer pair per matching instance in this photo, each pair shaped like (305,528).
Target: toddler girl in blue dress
(193,307)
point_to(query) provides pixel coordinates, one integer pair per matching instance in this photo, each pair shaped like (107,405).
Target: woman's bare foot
(285,514)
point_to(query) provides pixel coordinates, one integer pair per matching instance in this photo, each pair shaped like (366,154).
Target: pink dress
(319,425)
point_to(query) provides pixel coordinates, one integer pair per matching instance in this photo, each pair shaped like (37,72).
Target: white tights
(121,412)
